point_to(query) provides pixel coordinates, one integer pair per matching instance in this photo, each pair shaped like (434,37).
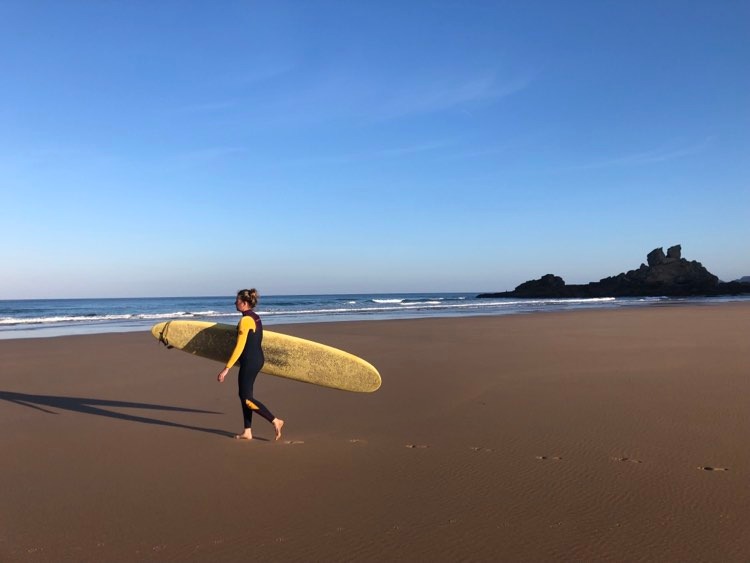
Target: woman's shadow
(98,407)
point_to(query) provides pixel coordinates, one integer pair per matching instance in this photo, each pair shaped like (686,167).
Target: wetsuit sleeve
(247,324)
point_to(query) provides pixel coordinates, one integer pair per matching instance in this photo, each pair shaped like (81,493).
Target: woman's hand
(222,374)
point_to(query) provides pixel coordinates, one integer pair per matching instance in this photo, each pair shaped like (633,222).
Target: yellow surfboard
(286,356)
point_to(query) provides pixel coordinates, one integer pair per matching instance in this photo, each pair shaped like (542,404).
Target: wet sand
(591,435)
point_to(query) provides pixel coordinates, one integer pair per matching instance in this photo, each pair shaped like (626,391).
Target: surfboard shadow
(97,407)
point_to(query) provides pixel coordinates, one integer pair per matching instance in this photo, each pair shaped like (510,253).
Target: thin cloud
(646,157)
(376,154)
(489,151)
(408,150)
(239,80)
(54,155)
(206,107)
(210,154)
(439,96)
(264,74)
(346,95)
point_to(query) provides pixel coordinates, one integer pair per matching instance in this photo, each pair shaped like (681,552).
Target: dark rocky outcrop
(547,286)
(674,252)
(665,275)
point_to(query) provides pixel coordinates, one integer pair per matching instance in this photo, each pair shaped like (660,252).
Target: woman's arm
(247,324)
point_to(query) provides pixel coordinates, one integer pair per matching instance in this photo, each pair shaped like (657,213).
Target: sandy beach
(617,435)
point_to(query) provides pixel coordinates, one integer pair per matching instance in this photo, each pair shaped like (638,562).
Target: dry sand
(553,436)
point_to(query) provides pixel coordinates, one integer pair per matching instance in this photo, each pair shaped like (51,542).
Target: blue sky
(192,148)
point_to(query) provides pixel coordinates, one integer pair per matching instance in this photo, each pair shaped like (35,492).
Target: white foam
(103,318)
(378,306)
(478,304)
(63,319)
(150,316)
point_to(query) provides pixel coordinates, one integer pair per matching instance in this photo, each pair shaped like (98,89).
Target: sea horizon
(34,318)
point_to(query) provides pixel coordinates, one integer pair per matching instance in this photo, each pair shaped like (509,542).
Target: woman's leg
(254,405)
(246,381)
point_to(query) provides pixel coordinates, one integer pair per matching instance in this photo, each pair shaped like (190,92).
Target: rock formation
(665,275)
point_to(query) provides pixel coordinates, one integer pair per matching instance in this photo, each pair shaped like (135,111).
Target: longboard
(286,356)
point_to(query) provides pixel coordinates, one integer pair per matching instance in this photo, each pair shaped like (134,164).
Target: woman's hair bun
(249,296)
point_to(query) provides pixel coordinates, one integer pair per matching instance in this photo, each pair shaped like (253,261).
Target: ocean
(59,317)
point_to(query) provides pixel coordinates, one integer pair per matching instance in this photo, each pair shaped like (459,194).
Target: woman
(250,354)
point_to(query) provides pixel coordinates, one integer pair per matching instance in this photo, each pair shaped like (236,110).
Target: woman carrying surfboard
(249,352)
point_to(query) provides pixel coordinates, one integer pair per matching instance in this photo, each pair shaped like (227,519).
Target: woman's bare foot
(278,424)
(246,435)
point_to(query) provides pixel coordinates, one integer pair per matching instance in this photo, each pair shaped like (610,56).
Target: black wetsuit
(251,361)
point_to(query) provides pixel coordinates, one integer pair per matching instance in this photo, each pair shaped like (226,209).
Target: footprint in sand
(630,459)
(555,457)
(709,468)
(480,449)
(418,446)
(293,442)
(338,530)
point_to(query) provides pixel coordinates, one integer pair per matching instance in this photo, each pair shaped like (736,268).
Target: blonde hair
(249,296)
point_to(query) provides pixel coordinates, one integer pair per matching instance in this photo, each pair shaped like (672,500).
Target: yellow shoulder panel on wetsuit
(246,325)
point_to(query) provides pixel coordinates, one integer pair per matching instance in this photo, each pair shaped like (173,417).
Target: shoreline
(41,330)
(595,434)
